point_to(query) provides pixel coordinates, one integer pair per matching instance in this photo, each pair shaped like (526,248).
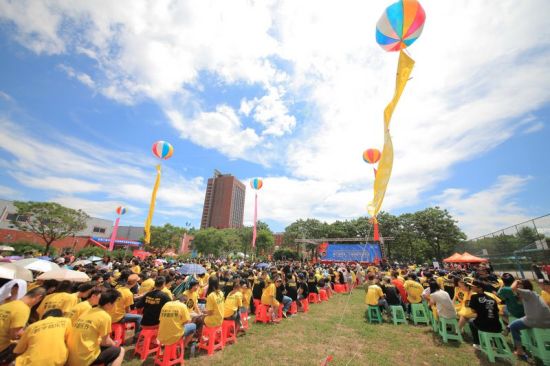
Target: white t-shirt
(445,307)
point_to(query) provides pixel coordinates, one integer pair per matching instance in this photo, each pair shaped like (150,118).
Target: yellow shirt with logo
(78,310)
(44,343)
(233,302)
(173,316)
(192,299)
(215,303)
(167,291)
(268,295)
(85,337)
(146,286)
(59,300)
(13,314)
(125,300)
(374,293)
(414,291)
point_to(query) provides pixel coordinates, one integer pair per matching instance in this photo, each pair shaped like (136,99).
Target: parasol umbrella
(94,258)
(65,275)
(191,268)
(35,264)
(12,272)
(262,265)
(15,257)
(82,262)
(5,248)
(45,257)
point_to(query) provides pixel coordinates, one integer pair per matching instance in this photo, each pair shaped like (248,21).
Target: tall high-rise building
(223,202)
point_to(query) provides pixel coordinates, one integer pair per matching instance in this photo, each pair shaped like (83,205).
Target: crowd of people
(67,323)
(477,297)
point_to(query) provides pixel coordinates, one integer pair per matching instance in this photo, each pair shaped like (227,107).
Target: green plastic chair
(398,315)
(494,345)
(419,315)
(374,315)
(448,330)
(433,321)
(539,340)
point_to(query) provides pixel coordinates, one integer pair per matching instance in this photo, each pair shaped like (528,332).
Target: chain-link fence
(516,249)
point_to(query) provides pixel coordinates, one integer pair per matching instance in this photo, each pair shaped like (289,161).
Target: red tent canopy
(468,258)
(453,258)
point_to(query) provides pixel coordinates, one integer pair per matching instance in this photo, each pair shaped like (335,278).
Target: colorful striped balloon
(120,210)
(372,156)
(400,25)
(256,183)
(163,150)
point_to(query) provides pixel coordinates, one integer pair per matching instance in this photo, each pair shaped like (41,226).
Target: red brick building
(223,202)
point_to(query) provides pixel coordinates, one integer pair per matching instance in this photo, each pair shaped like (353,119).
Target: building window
(99,230)
(15,217)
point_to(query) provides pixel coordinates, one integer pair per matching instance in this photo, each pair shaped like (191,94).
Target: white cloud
(80,175)
(80,76)
(535,127)
(488,210)
(9,193)
(221,130)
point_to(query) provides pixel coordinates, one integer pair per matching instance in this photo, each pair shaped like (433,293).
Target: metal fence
(516,248)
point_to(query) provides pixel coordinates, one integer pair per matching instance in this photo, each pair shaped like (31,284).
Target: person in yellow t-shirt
(175,322)
(233,304)
(61,299)
(13,317)
(545,291)
(414,289)
(167,291)
(247,294)
(89,338)
(214,304)
(462,303)
(120,313)
(86,305)
(147,284)
(43,342)
(135,268)
(191,297)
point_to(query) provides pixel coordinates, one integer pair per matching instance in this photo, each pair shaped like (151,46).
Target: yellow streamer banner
(147,229)
(404,69)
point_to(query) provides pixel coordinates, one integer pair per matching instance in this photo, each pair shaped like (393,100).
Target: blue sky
(292,92)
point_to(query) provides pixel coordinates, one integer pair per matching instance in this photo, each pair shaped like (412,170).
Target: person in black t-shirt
(391,292)
(153,302)
(486,308)
(291,287)
(312,283)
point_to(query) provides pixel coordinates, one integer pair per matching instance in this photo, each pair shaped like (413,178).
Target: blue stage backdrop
(350,252)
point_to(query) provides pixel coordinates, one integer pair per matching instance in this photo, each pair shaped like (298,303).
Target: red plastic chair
(262,314)
(211,339)
(118,331)
(323,295)
(313,298)
(339,288)
(305,305)
(147,342)
(244,320)
(229,332)
(293,308)
(172,354)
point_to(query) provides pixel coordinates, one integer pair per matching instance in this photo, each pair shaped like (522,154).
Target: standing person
(89,340)
(486,308)
(537,313)
(44,342)
(13,317)
(214,304)
(152,303)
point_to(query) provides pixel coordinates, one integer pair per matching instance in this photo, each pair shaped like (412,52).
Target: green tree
(166,237)
(49,220)
(264,241)
(439,230)
(209,241)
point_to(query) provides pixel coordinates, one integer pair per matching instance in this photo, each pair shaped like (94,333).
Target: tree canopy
(49,220)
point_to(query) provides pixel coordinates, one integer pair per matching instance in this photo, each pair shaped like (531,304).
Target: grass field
(306,339)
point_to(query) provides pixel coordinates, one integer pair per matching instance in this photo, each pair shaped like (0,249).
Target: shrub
(23,247)
(285,254)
